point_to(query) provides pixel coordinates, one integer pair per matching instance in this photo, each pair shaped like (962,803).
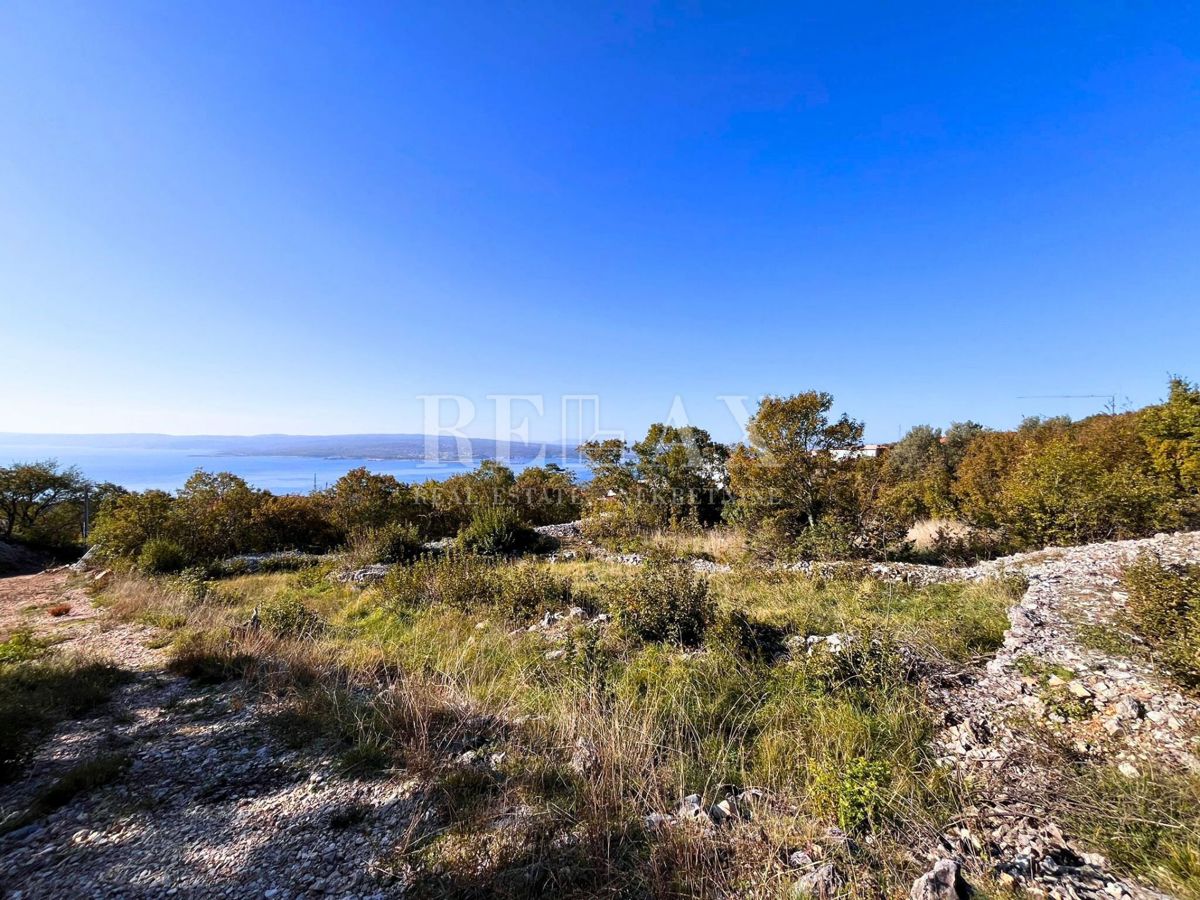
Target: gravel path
(207,805)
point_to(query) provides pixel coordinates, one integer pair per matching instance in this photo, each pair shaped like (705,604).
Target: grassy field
(573,734)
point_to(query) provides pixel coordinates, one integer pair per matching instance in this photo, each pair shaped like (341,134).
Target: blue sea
(139,470)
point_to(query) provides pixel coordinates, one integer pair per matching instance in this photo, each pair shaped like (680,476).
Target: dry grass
(590,742)
(720,544)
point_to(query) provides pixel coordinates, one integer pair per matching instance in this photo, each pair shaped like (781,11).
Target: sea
(168,469)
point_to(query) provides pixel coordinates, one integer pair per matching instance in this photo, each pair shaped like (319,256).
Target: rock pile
(1104,704)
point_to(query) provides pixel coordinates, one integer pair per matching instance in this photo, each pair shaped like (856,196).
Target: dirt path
(205,802)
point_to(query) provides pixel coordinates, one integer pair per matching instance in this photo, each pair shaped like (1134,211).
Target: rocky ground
(1069,672)
(208,803)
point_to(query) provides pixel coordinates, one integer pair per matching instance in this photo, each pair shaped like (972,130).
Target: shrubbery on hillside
(1165,603)
(377,517)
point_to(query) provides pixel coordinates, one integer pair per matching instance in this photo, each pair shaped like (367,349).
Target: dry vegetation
(572,735)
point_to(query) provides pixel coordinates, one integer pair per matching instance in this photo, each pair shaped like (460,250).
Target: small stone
(819,884)
(1128,709)
(1079,690)
(657,820)
(942,882)
(1129,770)
(724,811)
(798,859)
(692,807)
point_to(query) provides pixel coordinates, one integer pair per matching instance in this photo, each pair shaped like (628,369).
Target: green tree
(124,523)
(547,495)
(31,491)
(297,522)
(674,475)
(363,499)
(1171,431)
(680,472)
(981,475)
(453,503)
(793,472)
(216,515)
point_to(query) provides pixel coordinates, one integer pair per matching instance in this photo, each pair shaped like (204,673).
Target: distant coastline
(279,463)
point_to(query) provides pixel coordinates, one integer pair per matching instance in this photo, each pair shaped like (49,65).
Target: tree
(217,515)
(675,474)
(297,522)
(362,499)
(612,471)
(1171,431)
(547,495)
(28,491)
(453,503)
(680,472)
(981,476)
(793,471)
(125,522)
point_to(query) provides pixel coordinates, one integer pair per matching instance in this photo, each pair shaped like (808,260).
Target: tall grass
(589,741)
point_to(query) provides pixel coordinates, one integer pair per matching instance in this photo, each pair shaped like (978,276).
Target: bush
(160,556)
(527,589)
(456,580)
(860,794)
(665,601)
(286,615)
(1165,603)
(395,542)
(497,531)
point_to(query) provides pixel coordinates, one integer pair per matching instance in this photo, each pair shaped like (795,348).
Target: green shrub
(394,542)
(497,531)
(21,646)
(665,600)
(1165,603)
(160,556)
(286,615)
(860,793)
(527,589)
(457,580)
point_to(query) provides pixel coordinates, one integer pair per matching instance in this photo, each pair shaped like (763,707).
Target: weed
(21,646)
(859,793)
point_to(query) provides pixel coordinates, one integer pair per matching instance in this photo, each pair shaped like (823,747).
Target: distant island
(329,446)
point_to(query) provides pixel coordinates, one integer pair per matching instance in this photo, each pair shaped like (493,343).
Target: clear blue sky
(252,217)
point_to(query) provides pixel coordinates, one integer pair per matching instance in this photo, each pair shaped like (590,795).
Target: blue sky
(256,217)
